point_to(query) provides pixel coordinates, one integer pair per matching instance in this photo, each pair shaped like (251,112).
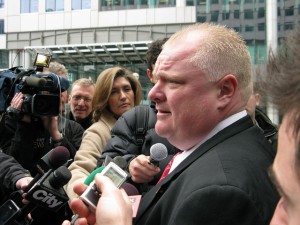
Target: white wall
(41,21)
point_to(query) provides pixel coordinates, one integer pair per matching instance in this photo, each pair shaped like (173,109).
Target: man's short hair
(57,68)
(283,83)
(153,52)
(85,82)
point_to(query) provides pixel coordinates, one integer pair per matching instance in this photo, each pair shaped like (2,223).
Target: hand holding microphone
(144,168)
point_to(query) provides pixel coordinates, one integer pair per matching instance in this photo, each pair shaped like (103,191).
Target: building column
(272,39)
(27,62)
(180,3)
(13,58)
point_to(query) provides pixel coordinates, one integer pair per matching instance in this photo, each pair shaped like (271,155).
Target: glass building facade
(248,17)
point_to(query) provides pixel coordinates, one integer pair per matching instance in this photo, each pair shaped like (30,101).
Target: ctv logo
(48,198)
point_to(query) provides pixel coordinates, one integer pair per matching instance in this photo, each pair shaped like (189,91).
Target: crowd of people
(226,161)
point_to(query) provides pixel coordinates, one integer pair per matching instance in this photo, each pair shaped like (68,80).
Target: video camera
(41,91)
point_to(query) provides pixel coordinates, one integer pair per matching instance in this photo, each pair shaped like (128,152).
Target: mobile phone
(91,195)
(8,211)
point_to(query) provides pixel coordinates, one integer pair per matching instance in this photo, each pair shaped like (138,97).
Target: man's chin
(161,130)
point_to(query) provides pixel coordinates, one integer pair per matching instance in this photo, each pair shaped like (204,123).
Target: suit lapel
(226,133)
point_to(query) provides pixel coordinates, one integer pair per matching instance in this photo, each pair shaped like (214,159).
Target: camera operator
(34,136)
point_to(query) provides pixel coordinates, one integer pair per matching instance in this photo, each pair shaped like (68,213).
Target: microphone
(158,152)
(34,81)
(130,189)
(48,192)
(55,158)
(120,161)
(107,160)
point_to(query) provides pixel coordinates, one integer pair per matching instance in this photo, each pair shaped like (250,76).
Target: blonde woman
(116,91)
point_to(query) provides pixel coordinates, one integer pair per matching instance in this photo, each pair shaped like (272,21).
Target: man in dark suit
(204,83)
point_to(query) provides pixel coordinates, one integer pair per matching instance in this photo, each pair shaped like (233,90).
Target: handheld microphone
(158,152)
(48,192)
(130,189)
(55,158)
(120,161)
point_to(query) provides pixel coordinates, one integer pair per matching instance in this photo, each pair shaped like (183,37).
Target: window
(190,2)
(214,16)
(249,28)
(236,14)
(81,4)
(288,26)
(225,15)
(248,14)
(110,4)
(1,3)
(54,5)
(29,6)
(237,29)
(278,11)
(261,27)
(201,19)
(261,13)
(1,26)
(4,58)
(289,11)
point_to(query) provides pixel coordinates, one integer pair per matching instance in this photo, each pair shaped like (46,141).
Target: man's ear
(149,73)
(226,89)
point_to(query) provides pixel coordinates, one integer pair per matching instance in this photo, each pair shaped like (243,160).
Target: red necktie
(167,169)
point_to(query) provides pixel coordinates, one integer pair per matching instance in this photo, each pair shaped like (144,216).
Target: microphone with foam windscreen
(158,152)
(46,193)
(120,161)
(130,189)
(52,160)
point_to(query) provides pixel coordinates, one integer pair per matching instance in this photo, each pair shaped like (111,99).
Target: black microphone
(130,189)
(158,152)
(48,191)
(34,81)
(55,158)
(120,161)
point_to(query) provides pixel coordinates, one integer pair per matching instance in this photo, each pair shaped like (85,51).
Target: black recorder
(91,195)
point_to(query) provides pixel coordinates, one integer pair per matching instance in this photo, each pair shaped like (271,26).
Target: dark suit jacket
(224,181)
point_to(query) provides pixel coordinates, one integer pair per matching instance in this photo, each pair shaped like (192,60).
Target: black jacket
(29,143)
(224,181)
(10,172)
(124,141)
(85,123)
(270,129)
